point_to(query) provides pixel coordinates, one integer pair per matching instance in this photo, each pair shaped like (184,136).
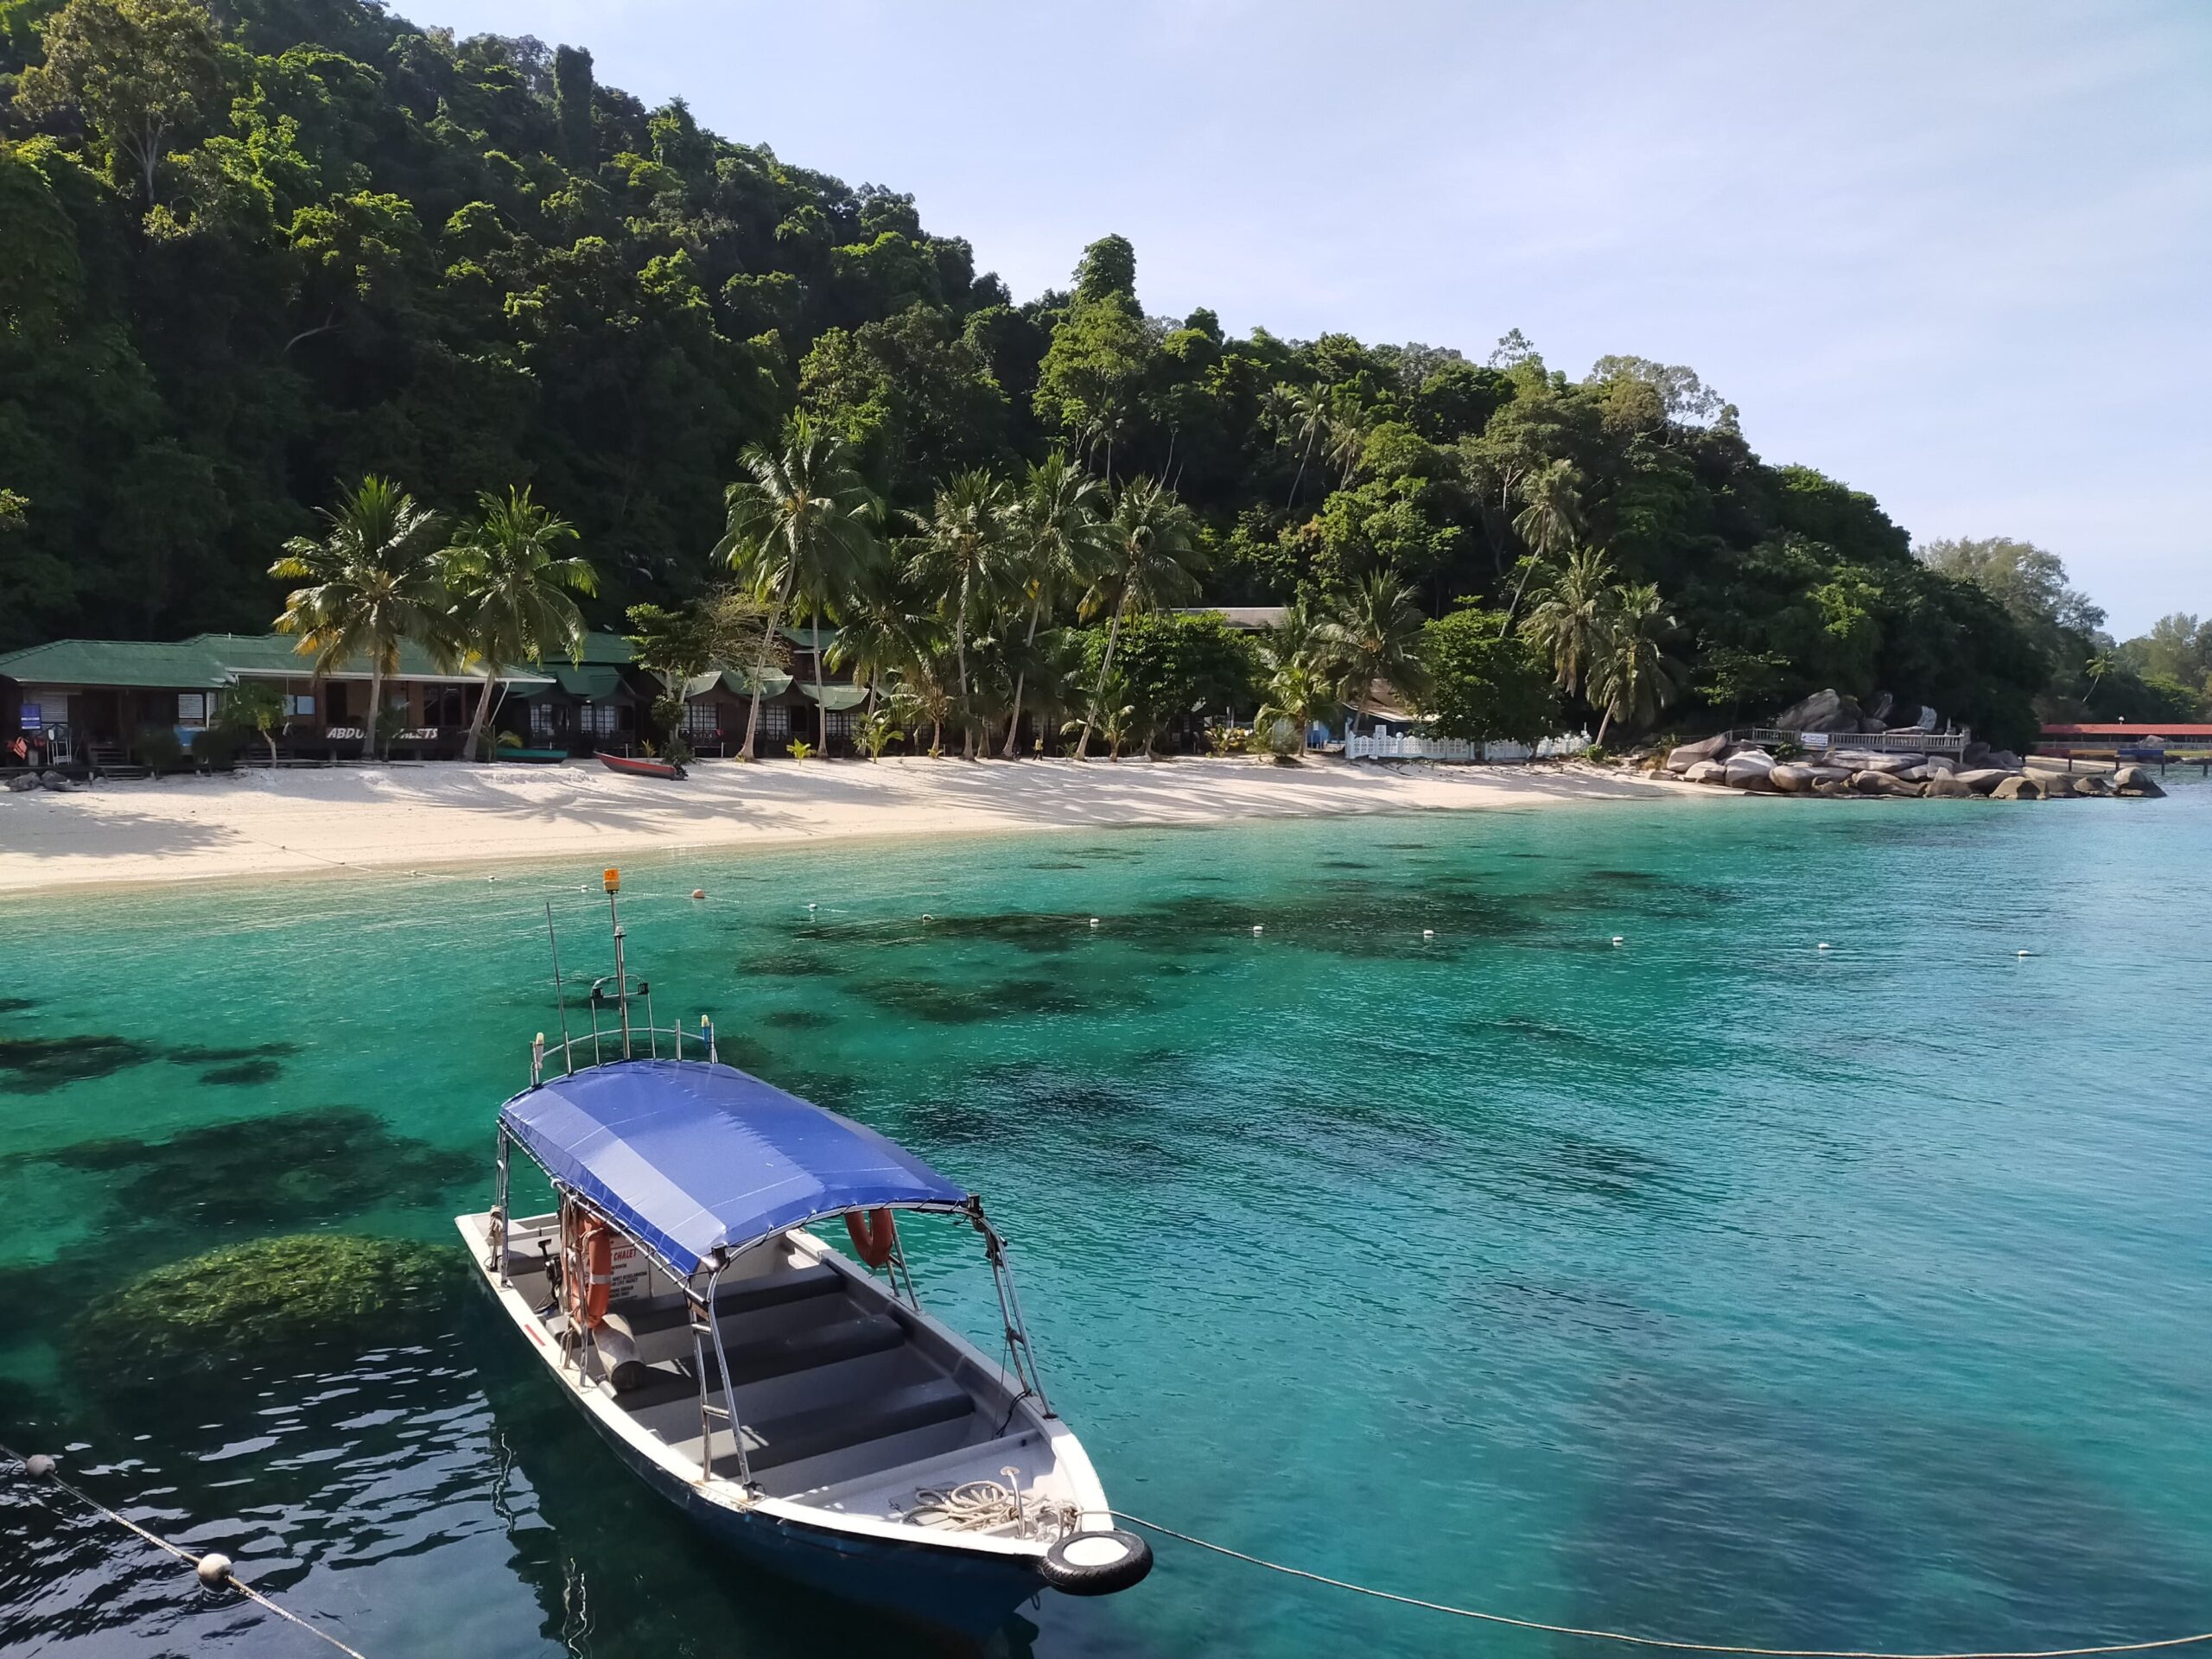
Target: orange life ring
(875,1235)
(590,1268)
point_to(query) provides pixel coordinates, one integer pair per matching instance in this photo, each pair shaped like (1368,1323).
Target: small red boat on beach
(639,765)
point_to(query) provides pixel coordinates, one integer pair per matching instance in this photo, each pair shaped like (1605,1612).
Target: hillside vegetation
(255,253)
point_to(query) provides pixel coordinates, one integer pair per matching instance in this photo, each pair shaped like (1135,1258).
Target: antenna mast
(560,996)
(613,882)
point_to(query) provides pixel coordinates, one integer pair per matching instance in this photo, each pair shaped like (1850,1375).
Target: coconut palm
(961,555)
(1150,559)
(510,577)
(373,581)
(1347,436)
(1298,694)
(1570,619)
(1549,520)
(882,633)
(1633,677)
(1299,414)
(799,520)
(1053,545)
(1371,636)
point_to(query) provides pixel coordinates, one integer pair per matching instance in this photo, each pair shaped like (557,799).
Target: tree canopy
(255,249)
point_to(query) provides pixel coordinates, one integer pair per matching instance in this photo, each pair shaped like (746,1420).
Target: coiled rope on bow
(1672,1644)
(981,1505)
(213,1570)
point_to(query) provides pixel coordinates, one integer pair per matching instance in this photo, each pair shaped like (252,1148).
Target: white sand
(259,823)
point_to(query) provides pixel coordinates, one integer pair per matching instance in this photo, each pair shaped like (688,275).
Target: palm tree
(882,634)
(1373,635)
(1298,694)
(1053,546)
(799,520)
(1300,416)
(1347,436)
(373,582)
(1633,677)
(961,555)
(1150,559)
(1571,621)
(1550,519)
(510,579)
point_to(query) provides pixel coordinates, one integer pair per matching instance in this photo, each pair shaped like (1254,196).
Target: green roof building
(88,700)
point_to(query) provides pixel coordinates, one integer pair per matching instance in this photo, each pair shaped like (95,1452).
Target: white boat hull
(968,1582)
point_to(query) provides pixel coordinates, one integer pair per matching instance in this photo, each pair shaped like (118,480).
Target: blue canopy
(692,1157)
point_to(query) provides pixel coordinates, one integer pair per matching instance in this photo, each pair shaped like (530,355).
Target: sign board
(631,1275)
(1813,740)
(34,717)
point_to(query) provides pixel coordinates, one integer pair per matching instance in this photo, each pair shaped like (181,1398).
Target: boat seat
(756,1362)
(746,1296)
(800,1434)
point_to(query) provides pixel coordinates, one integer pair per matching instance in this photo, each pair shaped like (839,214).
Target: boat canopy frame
(1019,1355)
(1021,1360)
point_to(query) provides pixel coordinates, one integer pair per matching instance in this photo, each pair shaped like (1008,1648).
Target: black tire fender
(1096,1563)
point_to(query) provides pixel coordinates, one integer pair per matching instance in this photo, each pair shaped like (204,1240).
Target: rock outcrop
(1824,711)
(1751,769)
(1982,780)
(23,781)
(1707,771)
(2017,786)
(1882,783)
(2135,782)
(1683,756)
(1944,786)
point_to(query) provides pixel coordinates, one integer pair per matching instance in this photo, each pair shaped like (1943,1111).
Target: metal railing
(1870,742)
(1387,746)
(597,1047)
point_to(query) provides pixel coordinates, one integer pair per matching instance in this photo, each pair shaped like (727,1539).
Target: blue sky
(1957,254)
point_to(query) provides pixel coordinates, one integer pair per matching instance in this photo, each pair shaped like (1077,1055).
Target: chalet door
(99,717)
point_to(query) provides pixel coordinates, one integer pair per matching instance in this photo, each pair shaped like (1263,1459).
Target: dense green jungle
(251,252)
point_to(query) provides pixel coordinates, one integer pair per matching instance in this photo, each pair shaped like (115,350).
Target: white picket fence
(1459,751)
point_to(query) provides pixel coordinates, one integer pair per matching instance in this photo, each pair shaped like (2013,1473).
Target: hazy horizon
(1956,261)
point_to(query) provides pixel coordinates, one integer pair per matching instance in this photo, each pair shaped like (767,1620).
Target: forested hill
(252,254)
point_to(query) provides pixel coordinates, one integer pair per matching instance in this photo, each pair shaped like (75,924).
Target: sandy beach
(184,828)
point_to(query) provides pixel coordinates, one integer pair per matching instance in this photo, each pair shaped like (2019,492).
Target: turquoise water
(1708,1283)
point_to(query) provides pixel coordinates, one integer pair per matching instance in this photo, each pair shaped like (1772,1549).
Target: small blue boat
(794,1400)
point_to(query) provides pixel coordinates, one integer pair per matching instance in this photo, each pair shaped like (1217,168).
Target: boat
(795,1401)
(640,766)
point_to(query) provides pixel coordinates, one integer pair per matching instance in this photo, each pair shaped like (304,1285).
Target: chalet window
(192,708)
(775,720)
(701,720)
(541,719)
(598,719)
(300,706)
(840,722)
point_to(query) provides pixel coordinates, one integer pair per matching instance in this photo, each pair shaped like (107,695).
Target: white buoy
(38,1465)
(1823,945)
(1617,939)
(1256,928)
(1094,921)
(925,915)
(698,893)
(214,1570)
(810,904)
(2023,953)
(1428,932)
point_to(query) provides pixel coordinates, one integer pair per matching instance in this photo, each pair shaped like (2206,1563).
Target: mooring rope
(1670,1644)
(213,1570)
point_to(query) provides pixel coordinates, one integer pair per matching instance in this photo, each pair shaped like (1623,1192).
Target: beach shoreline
(189,828)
